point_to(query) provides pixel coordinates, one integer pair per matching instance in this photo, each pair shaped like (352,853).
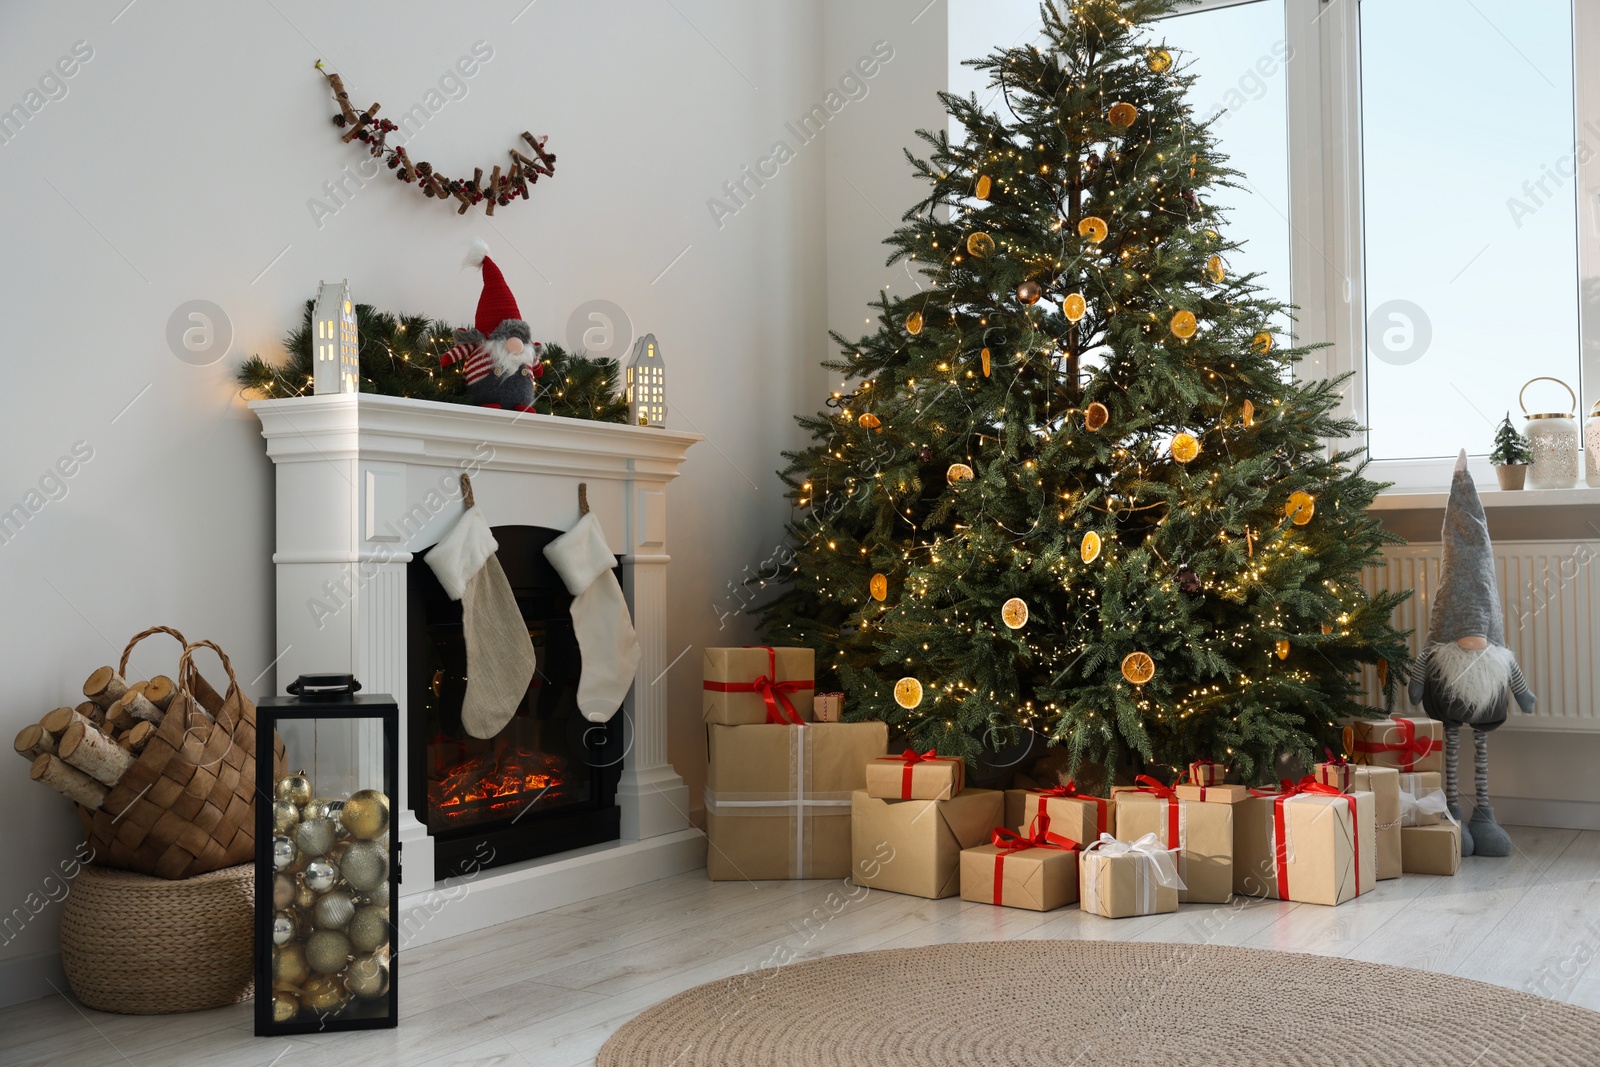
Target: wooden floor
(546,991)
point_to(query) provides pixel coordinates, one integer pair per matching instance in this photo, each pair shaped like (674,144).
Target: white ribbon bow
(1158,868)
(1430,803)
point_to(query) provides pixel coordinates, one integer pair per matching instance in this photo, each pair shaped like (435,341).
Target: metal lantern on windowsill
(327,860)
(1591,447)
(1553,440)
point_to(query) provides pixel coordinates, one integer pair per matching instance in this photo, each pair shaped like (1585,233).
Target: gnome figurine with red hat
(500,355)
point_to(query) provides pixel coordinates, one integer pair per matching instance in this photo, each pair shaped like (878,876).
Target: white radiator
(1551,594)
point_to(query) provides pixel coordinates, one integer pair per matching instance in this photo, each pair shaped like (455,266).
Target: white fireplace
(365,482)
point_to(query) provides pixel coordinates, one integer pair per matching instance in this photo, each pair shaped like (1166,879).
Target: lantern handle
(1546,378)
(583,498)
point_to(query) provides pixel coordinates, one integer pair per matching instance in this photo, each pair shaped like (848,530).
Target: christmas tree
(1071,485)
(1510,447)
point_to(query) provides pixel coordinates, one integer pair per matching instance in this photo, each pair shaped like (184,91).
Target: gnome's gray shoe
(1487,837)
(1466,834)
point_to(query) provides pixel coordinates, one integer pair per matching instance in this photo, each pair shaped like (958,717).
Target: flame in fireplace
(495,784)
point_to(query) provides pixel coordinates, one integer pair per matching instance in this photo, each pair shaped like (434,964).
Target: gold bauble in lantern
(321,808)
(1214,269)
(979,244)
(1028,292)
(1073,306)
(285,817)
(285,1006)
(1089,549)
(1138,667)
(1094,228)
(315,836)
(1300,507)
(1184,325)
(1014,613)
(869,421)
(289,966)
(1095,416)
(295,788)
(366,814)
(1160,60)
(325,994)
(305,896)
(327,951)
(1262,342)
(334,911)
(983,358)
(1282,648)
(1122,115)
(981,190)
(879,587)
(369,930)
(1184,447)
(365,866)
(282,891)
(914,323)
(367,977)
(958,472)
(908,693)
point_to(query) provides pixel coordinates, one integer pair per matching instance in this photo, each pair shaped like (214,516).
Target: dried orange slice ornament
(1282,648)
(1160,60)
(879,587)
(1383,674)
(908,693)
(1090,548)
(983,358)
(1262,342)
(1073,306)
(1184,447)
(1122,115)
(1184,325)
(1214,269)
(1095,416)
(868,421)
(914,323)
(981,190)
(958,472)
(1138,667)
(979,244)
(1094,228)
(1247,414)
(1014,613)
(1300,507)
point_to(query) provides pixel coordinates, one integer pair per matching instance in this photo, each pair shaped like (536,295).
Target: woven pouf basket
(149,946)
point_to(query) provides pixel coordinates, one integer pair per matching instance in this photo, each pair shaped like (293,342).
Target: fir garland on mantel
(400,357)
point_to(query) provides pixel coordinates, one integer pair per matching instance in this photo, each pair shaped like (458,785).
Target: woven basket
(148,946)
(187,805)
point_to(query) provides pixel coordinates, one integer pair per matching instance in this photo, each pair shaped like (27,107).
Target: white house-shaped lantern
(335,348)
(647,384)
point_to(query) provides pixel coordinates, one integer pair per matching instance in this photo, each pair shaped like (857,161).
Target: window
(1469,224)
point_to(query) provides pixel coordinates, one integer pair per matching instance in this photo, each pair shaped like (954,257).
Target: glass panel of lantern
(327,860)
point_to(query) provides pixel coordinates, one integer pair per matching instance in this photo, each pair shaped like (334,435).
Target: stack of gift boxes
(792,792)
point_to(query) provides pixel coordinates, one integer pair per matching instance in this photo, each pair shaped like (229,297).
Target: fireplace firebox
(547,782)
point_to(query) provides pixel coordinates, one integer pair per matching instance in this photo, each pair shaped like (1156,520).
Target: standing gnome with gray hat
(1466,670)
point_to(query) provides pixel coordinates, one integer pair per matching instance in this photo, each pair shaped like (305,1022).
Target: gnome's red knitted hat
(495,304)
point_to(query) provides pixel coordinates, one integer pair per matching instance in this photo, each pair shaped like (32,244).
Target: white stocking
(606,640)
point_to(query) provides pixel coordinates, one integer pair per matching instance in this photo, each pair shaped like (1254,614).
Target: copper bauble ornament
(327,951)
(282,891)
(305,897)
(315,836)
(320,876)
(1028,292)
(285,1006)
(283,852)
(334,911)
(283,928)
(289,966)
(295,788)
(325,995)
(285,816)
(367,977)
(369,930)
(365,866)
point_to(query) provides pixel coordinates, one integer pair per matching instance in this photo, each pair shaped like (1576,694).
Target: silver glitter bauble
(369,930)
(365,866)
(315,836)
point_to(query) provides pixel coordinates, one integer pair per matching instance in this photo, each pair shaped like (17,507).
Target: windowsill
(1434,499)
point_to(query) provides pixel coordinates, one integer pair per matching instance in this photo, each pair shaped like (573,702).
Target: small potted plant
(1510,456)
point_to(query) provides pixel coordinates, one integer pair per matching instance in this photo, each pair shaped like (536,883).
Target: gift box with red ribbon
(1200,834)
(827,707)
(1037,870)
(1080,816)
(1212,794)
(1406,744)
(915,775)
(1304,841)
(1206,772)
(758,684)
(1384,785)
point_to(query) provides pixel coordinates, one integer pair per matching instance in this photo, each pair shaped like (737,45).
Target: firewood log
(95,754)
(68,781)
(134,703)
(33,741)
(105,687)
(56,722)
(159,690)
(91,711)
(136,738)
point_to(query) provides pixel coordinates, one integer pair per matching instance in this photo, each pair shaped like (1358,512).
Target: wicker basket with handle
(187,805)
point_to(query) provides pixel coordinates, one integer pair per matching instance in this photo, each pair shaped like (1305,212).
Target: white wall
(178,166)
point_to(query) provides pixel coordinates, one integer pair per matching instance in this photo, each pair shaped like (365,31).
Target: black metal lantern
(327,860)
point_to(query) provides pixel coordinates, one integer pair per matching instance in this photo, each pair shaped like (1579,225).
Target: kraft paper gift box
(916,776)
(915,846)
(1038,872)
(1422,800)
(1307,844)
(1072,814)
(1406,744)
(827,707)
(1384,785)
(1206,772)
(778,798)
(747,686)
(1431,849)
(1121,879)
(1201,836)
(1212,794)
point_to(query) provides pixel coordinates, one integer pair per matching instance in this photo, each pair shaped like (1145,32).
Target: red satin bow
(1413,747)
(1070,792)
(911,757)
(1009,842)
(1337,761)
(773,692)
(1147,784)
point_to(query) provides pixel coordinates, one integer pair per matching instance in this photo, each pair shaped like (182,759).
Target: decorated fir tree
(1072,485)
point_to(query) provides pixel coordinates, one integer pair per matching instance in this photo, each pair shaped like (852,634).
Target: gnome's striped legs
(1488,839)
(1452,764)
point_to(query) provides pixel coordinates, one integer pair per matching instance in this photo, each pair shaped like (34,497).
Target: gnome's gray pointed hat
(1467,602)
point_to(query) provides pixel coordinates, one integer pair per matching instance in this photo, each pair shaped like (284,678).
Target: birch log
(135,739)
(68,781)
(105,687)
(135,703)
(33,742)
(95,754)
(91,711)
(55,722)
(159,690)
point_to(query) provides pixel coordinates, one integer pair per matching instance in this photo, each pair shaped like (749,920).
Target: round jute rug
(1101,1004)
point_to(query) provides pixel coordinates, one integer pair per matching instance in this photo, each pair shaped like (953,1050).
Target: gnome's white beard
(506,362)
(1474,678)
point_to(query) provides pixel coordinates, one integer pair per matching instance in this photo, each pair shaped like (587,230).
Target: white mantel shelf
(1434,499)
(364,483)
